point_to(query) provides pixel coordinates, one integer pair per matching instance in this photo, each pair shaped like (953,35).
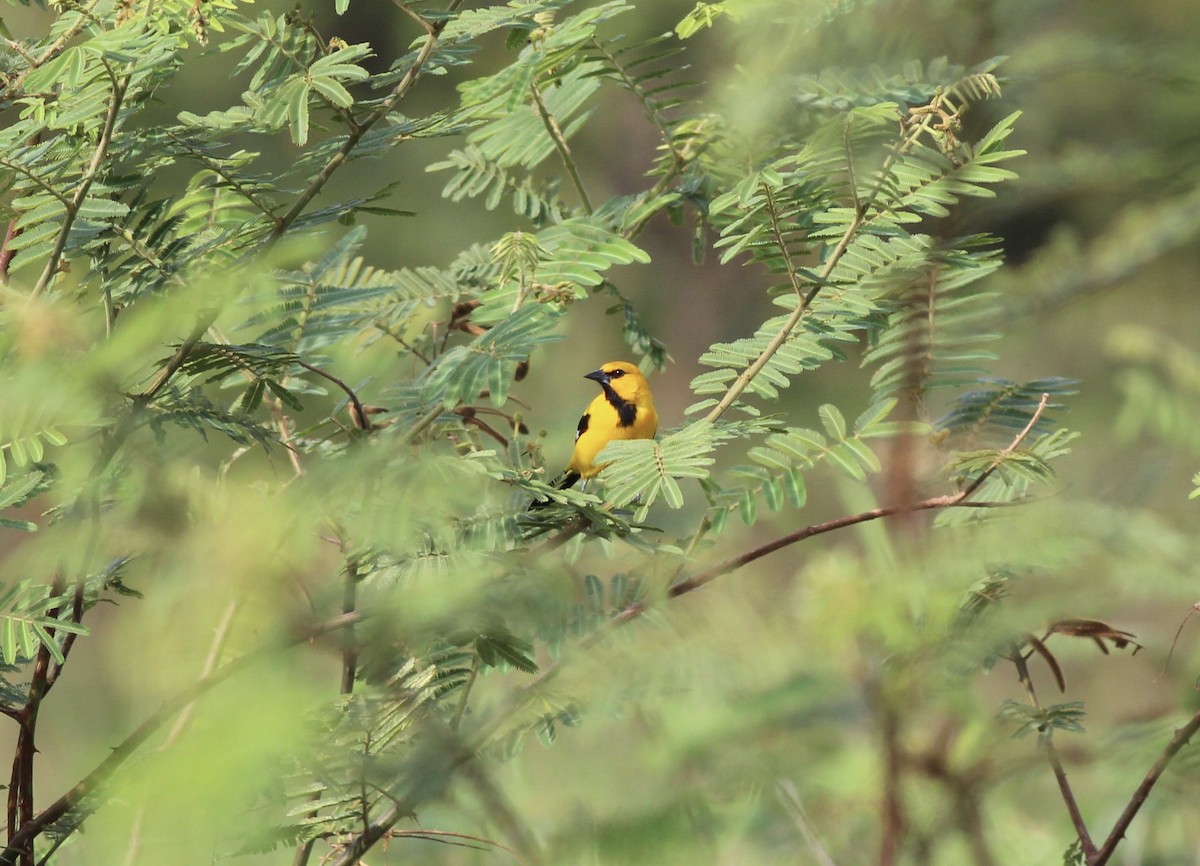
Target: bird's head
(623,377)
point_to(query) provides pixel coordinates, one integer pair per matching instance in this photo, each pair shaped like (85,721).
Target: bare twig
(210,664)
(1194,609)
(447,837)
(1081,831)
(349,605)
(359,414)
(1178,741)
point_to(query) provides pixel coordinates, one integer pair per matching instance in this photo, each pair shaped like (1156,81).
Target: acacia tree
(165,279)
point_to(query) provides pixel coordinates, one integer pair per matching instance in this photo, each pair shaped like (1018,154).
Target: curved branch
(360,414)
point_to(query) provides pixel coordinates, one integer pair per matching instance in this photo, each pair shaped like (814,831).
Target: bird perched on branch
(624,409)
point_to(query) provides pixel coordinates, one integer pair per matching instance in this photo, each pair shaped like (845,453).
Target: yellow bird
(624,409)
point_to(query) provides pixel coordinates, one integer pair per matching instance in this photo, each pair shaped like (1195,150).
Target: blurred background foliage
(836,702)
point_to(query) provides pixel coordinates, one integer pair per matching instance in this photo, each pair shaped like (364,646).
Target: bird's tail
(567,479)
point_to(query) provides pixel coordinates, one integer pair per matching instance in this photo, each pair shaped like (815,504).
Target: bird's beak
(597,376)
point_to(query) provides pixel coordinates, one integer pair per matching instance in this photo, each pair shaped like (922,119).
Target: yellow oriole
(623,410)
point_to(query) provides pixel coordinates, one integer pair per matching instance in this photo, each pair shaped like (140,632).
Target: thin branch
(360,414)
(6,252)
(82,189)
(20,791)
(57,47)
(44,185)
(953,500)
(734,563)
(414,15)
(434,31)
(560,144)
(748,375)
(445,837)
(65,804)
(236,185)
(892,806)
(349,605)
(423,423)
(210,665)
(1064,786)
(502,813)
(1178,741)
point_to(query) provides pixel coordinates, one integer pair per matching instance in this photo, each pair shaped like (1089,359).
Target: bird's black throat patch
(626,411)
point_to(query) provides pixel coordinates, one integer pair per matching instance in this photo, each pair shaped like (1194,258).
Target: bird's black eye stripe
(616,374)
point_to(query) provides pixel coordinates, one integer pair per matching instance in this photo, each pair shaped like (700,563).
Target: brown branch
(65,804)
(1064,786)
(1178,741)
(1068,795)
(954,500)
(894,820)
(359,414)
(6,254)
(20,791)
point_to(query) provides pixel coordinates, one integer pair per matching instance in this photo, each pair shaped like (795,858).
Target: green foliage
(33,618)
(1043,720)
(342,569)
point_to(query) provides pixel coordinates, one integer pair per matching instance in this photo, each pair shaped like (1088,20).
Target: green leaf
(841,457)
(792,482)
(833,421)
